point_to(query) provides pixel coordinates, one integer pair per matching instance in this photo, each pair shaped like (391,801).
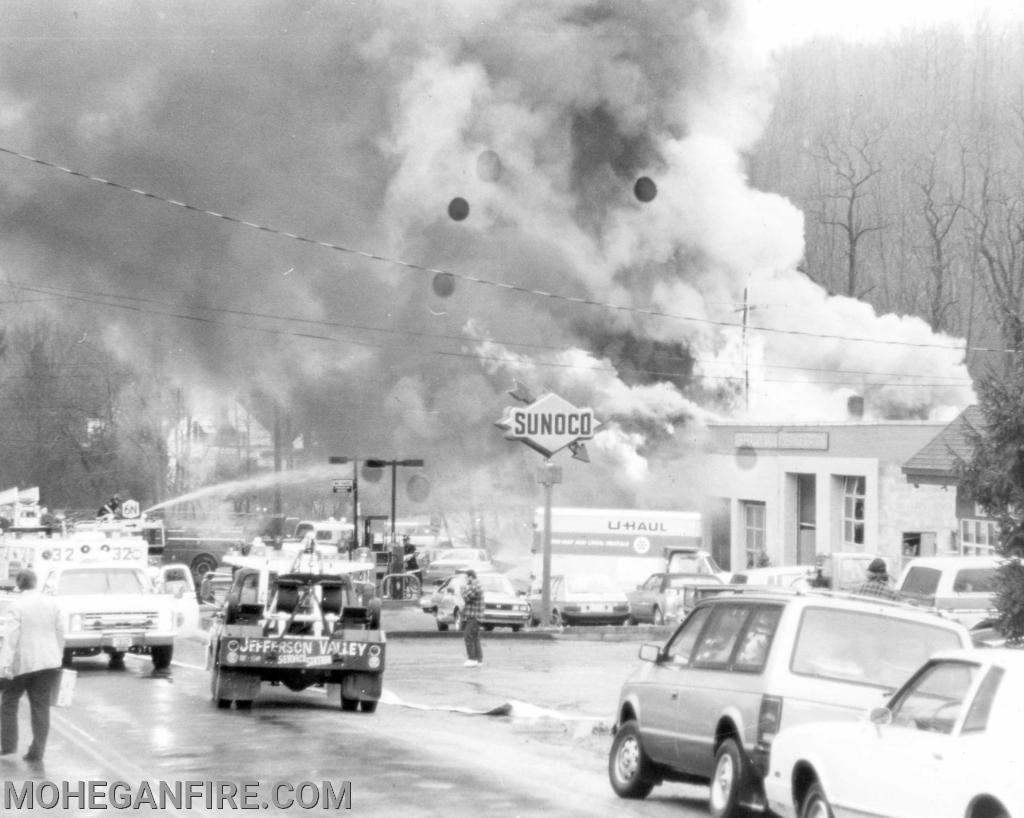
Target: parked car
(503,607)
(743,665)
(582,599)
(665,597)
(453,560)
(945,746)
(788,576)
(963,587)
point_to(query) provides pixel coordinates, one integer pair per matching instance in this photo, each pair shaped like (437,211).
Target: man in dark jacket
(472,611)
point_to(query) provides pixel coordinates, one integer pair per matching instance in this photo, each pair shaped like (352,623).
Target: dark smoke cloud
(357,123)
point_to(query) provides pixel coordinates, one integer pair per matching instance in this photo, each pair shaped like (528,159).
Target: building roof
(942,459)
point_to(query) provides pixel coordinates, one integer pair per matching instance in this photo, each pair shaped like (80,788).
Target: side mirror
(880,716)
(649,652)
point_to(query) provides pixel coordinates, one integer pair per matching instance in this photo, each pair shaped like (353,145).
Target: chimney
(855,407)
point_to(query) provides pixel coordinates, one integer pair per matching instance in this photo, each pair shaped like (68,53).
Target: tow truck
(303,621)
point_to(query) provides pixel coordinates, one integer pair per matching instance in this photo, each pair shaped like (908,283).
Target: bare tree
(852,168)
(942,204)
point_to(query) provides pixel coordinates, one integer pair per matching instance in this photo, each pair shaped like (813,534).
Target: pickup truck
(113,608)
(665,597)
(963,588)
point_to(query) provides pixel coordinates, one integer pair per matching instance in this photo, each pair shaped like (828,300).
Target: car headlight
(75,622)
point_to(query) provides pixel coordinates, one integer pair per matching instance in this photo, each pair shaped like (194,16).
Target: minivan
(705,706)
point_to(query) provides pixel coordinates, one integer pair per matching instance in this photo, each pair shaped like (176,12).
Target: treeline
(907,158)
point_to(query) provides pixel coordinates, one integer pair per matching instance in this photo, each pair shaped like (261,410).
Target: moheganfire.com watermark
(161,795)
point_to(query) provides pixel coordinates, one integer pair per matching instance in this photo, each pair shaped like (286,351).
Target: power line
(84,297)
(461,276)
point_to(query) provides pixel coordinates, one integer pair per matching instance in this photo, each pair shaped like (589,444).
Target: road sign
(342,485)
(548,424)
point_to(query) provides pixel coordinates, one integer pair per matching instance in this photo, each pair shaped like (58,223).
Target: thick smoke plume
(357,124)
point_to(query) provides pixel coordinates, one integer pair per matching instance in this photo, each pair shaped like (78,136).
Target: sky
(785,22)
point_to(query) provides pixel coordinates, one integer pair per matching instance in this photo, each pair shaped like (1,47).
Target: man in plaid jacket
(472,611)
(877,583)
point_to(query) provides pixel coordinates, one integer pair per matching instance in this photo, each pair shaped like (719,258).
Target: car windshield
(496,584)
(100,581)
(934,700)
(865,647)
(595,584)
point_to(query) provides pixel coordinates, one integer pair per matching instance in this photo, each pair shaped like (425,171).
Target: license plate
(122,642)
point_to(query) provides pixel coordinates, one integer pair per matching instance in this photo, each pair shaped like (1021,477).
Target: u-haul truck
(627,545)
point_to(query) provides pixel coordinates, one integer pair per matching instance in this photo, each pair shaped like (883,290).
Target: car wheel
(815,803)
(116,661)
(162,655)
(457,622)
(202,565)
(728,781)
(659,617)
(515,628)
(368,705)
(441,626)
(629,769)
(215,690)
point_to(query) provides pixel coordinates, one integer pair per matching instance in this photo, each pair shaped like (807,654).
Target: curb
(635,634)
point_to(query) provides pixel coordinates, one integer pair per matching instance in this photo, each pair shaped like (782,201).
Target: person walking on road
(472,610)
(877,584)
(30,661)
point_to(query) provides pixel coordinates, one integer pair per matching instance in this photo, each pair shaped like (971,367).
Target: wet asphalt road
(429,750)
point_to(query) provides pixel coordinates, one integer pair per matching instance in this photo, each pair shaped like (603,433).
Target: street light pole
(394,464)
(397,554)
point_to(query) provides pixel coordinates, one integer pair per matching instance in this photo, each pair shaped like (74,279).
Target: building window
(853,512)
(753,532)
(978,537)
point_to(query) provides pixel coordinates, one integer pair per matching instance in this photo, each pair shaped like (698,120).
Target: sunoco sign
(548,424)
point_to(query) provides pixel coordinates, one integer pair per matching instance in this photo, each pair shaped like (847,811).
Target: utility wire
(461,276)
(95,298)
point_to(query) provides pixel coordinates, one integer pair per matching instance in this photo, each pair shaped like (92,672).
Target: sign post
(548,425)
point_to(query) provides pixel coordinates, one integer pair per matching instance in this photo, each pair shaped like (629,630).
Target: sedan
(947,744)
(503,608)
(582,599)
(665,597)
(454,560)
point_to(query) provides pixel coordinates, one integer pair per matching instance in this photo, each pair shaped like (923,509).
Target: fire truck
(99,572)
(308,620)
